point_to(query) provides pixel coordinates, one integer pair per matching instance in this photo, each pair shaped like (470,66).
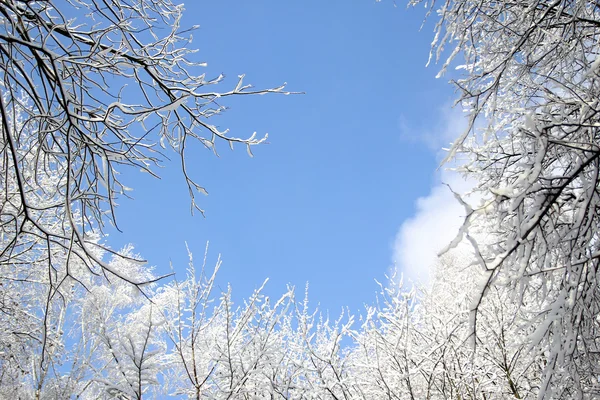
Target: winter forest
(91,89)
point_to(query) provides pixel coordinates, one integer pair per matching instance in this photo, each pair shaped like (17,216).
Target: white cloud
(438,215)
(434,224)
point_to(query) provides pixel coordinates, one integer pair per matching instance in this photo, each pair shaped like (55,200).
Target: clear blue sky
(323,201)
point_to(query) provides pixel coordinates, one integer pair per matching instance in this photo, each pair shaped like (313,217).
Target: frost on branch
(90,87)
(530,79)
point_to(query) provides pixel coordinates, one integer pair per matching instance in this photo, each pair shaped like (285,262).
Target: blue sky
(324,201)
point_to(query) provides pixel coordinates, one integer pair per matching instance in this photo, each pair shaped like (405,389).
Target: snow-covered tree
(67,132)
(77,319)
(261,349)
(63,68)
(41,274)
(531,87)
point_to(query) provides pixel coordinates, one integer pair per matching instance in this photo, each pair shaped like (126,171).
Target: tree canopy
(516,317)
(531,88)
(89,88)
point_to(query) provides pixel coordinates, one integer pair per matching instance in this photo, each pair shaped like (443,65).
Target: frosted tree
(531,83)
(70,329)
(220,350)
(79,338)
(118,350)
(42,278)
(63,70)
(416,343)
(67,132)
(258,349)
(496,362)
